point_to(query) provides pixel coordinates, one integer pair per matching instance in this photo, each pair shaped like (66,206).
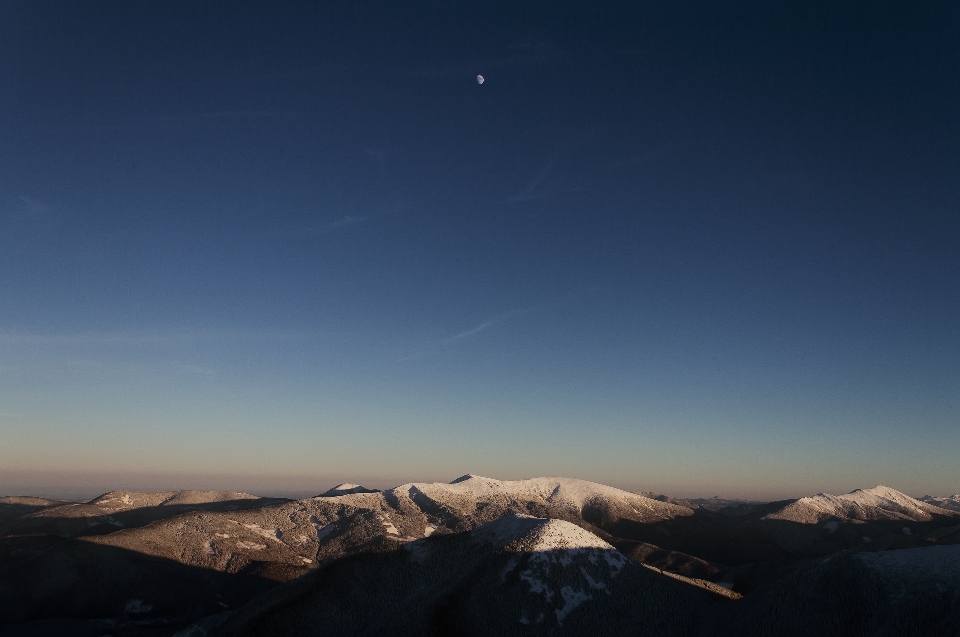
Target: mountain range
(475,556)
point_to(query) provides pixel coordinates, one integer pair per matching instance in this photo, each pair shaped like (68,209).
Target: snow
(270,534)
(616,560)
(537,585)
(346,488)
(549,540)
(322,530)
(428,530)
(388,525)
(592,582)
(571,599)
(878,503)
(550,544)
(950,502)
(566,493)
(251,546)
(938,564)
(506,529)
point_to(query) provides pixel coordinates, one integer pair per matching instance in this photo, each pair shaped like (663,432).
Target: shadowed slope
(71,578)
(516,575)
(888,594)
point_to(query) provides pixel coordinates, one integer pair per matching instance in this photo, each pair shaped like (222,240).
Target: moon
(479,79)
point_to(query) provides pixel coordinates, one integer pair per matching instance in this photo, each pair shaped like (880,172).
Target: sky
(700,248)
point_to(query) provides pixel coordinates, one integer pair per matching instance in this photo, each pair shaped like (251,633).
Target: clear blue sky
(695,247)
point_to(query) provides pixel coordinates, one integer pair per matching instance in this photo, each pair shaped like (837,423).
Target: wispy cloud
(472,332)
(482,327)
(529,192)
(343,222)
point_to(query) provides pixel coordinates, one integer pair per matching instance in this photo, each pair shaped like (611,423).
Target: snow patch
(536,585)
(251,546)
(616,560)
(571,599)
(322,530)
(270,534)
(388,525)
(593,583)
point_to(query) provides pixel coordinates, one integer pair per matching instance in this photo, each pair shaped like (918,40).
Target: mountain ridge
(876,503)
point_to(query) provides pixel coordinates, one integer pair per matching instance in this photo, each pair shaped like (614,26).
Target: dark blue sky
(695,247)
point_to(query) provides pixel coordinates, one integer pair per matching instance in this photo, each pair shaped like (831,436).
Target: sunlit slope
(293,537)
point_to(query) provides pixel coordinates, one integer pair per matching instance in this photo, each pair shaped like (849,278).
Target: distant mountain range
(951,502)
(475,556)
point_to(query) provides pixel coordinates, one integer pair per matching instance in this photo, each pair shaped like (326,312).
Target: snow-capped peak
(346,488)
(532,534)
(877,503)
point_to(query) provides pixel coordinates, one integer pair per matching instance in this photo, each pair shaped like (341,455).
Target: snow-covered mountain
(262,540)
(878,503)
(13,507)
(346,488)
(950,502)
(123,509)
(177,556)
(296,536)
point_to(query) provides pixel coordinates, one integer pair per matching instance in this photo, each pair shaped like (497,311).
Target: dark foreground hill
(903,593)
(513,576)
(527,576)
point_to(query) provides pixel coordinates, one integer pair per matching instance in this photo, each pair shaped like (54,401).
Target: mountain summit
(878,503)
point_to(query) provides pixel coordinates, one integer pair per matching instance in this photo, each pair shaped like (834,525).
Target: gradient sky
(699,248)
